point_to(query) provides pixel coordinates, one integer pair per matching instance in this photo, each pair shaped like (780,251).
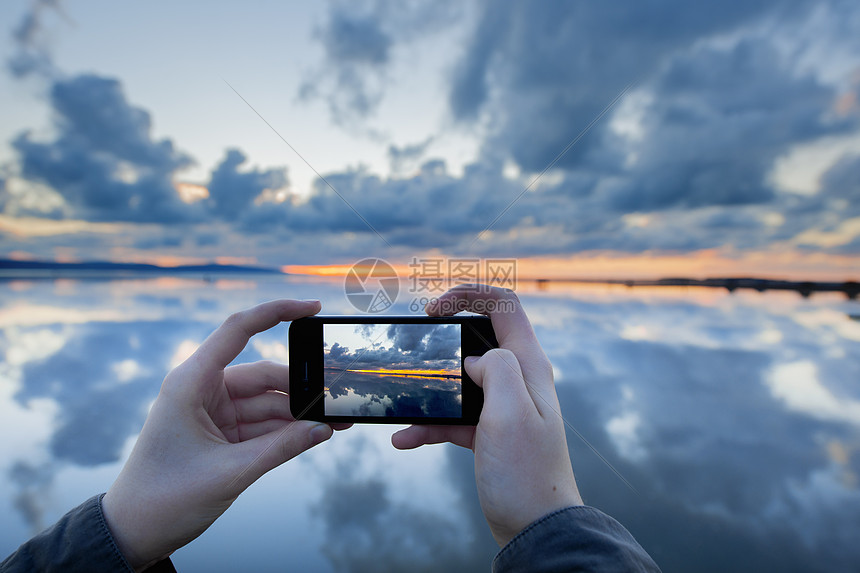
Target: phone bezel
(306,366)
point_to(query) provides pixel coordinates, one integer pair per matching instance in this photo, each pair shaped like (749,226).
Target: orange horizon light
(413,372)
(606,265)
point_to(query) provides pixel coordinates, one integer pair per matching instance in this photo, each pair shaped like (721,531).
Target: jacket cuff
(579,538)
(79,542)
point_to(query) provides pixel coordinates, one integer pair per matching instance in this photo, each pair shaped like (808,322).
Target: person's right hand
(522,465)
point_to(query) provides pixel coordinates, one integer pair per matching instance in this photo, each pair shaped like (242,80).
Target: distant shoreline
(851,289)
(18,270)
(40,270)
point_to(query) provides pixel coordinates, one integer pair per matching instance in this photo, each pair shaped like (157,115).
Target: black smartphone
(386,369)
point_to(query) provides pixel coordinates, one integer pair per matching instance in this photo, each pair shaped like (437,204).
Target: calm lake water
(736,418)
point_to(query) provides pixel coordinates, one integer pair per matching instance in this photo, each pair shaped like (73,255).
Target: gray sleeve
(79,542)
(578,538)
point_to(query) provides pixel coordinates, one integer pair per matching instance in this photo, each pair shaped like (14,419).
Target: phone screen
(387,369)
(392,370)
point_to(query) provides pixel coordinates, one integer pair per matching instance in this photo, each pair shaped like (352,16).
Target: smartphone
(386,370)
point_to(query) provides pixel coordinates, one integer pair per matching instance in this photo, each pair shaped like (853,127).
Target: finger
(415,436)
(249,431)
(270,450)
(510,324)
(265,406)
(506,397)
(245,380)
(232,336)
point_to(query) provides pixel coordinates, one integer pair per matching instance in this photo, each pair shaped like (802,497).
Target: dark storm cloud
(716,100)
(719,119)
(337,350)
(409,337)
(425,346)
(103,160)
(556,64)
(232,192)
(431,209)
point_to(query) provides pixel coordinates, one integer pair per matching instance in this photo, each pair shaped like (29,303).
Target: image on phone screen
(392,370)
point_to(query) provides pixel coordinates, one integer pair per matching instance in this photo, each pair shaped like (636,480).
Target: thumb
(498,373)
(270,450)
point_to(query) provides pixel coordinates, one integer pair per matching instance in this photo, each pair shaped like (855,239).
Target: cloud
(103,160)
(358,40)
(232,192)
(682,163)
(32,55)
(719,97)
(554,66)
(357,50)
(717,121)
(427,346)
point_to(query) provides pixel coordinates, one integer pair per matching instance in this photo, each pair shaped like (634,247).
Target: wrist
(505,535)
(118,522)
(512,520)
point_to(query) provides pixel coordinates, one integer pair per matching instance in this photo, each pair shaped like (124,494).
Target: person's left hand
(212,432)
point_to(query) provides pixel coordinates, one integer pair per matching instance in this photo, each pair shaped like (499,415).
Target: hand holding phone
(522,464)
(390,370)
(213,430)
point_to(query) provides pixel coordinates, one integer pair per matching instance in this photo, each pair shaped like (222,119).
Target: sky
(367,370)
(639,138)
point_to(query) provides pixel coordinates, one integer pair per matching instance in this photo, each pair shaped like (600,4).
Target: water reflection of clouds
(363,394)
(731,409)
(385,510)
(734,416)
(82,363)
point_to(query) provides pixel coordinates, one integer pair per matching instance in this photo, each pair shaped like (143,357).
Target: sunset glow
(788,265)
(191,192)
(422,373)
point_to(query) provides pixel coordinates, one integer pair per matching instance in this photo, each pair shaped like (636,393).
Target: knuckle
(501,357)
(500,354)
(235,320)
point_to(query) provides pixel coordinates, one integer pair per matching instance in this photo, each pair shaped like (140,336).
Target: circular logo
(371,285)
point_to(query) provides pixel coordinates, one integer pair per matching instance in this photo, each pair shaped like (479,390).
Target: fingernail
(311,300)
(470,360)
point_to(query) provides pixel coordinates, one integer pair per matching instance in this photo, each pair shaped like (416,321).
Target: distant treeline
(851,289)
